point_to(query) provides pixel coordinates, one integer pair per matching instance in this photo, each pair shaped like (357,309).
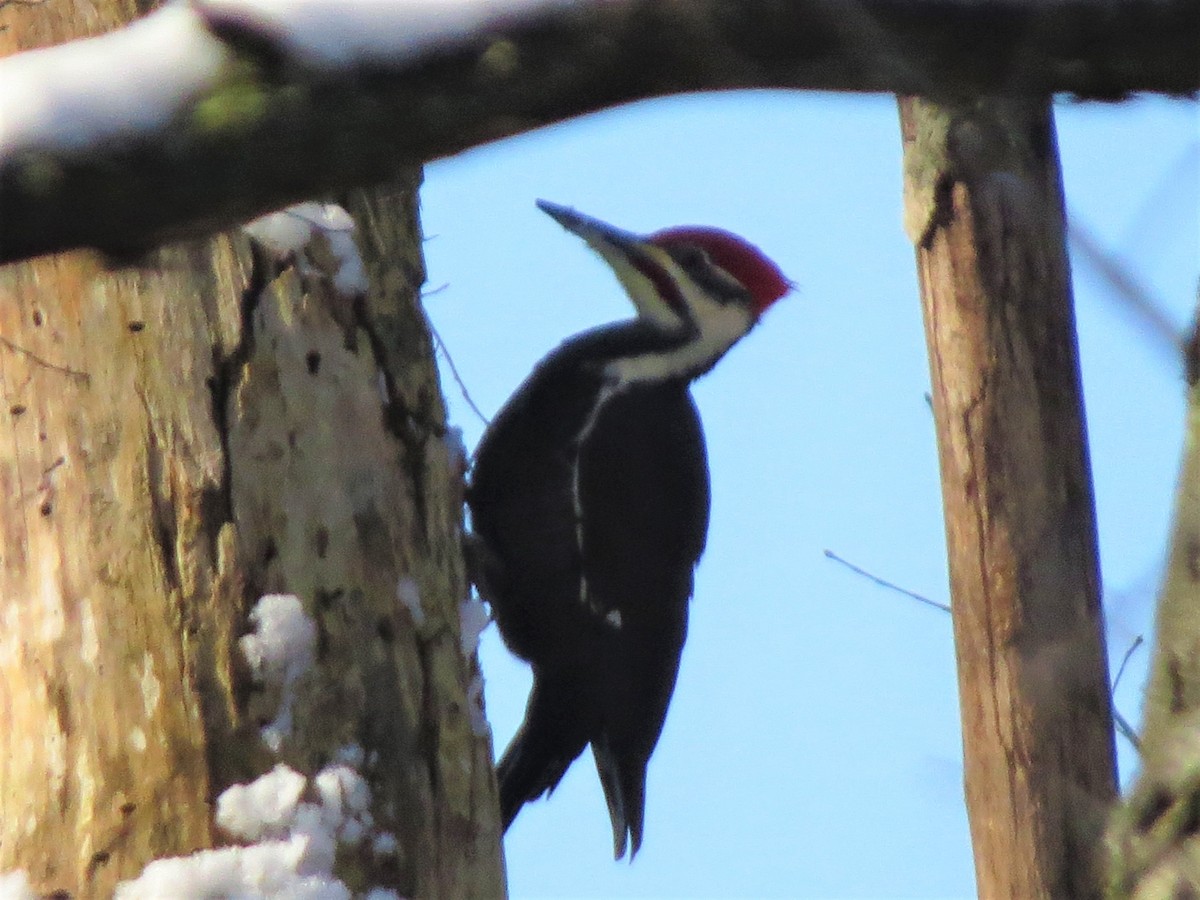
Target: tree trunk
(175,447)
(983,206)
(1155,836)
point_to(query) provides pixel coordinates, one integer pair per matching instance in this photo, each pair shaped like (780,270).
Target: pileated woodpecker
(590,499)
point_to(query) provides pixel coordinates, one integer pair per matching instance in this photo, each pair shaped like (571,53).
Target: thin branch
(1123,727)
(1126,288)
(1120,722)
(829,554)
(1137,642)
(1126,730)
(462,387)
(249,115)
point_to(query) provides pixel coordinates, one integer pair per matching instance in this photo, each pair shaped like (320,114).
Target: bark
(119,583)
(269,130)
(174,447)
(1154,838)
(983,206)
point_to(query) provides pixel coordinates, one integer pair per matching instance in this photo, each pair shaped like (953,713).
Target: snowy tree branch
(120,144)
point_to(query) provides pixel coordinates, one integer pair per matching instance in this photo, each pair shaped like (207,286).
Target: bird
(589,499)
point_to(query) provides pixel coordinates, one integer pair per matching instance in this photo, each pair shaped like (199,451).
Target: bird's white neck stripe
(720,327)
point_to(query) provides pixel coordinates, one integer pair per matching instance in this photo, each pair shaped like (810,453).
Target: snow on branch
(207,114)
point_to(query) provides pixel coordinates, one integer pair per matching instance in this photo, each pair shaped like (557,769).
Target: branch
(884,583)
(1149,315)
(116,145)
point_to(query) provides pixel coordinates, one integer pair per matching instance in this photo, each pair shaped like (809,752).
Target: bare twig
(1134,295)
(1126,730)
(1122,724)
(829,554)
(462,387)
(1123,727)
(1137,642)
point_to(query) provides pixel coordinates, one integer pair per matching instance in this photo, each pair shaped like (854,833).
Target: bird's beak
(629,255)
(599,235)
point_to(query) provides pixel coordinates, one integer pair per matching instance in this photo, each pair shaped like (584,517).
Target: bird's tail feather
(548,741)
(625,791)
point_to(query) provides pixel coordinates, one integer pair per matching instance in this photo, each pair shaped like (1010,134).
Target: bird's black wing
(644,496)
(643,500)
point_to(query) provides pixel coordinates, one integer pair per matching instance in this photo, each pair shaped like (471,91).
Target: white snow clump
(295,841)
(15,886)
(286,233)
(281,650)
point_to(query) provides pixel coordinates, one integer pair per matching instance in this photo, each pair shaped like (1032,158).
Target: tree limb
(265,126)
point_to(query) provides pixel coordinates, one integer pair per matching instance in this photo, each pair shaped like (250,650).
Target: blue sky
(813,747)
